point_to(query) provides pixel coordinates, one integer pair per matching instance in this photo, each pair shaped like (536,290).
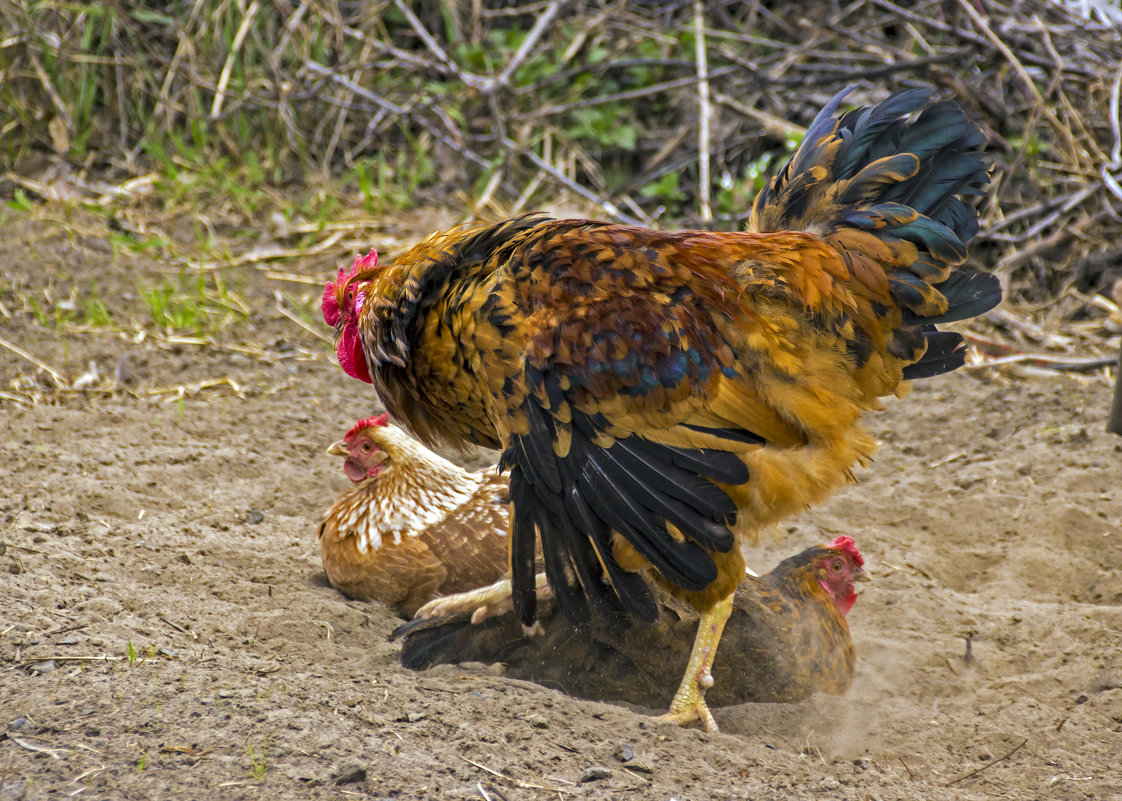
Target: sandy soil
(166,629)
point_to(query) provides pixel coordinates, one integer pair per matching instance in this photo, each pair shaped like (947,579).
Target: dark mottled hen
(787,637)
(659,397)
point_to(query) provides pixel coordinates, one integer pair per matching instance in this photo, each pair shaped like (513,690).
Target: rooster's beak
(338,449)
(861,575)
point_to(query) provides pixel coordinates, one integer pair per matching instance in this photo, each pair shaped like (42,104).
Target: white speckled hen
(414,525)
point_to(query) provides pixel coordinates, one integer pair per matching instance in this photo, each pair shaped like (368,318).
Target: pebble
(351,774)
(595,773)
(13,790)
(46,666)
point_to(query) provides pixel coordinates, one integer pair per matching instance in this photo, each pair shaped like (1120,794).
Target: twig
(774,125)
(1022,73)
(366,94)
(273,252)
(64,658)
(527,45)
(224,77)
(1062,363)
(987,766)
(517,782)
(58,377)
(1114,423)
(704,111)
(1109,180)
(313,331)
(468,78)
(909,770)
(39,749)
(619,97)
(611,208)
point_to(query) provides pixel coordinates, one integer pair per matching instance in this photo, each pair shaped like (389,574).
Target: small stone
(537,721)
(19,723)
(595,774)
(624,753)
(170,653)
(255,517)
(71,640)
(351,774)
(639,766)
(413,717)
(829,783)
(13,790)
(225,694)
(496,669)
(46,666)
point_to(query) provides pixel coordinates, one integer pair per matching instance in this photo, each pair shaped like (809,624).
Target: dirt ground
(166,629)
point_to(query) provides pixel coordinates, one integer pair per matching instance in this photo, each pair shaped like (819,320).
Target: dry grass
(510,104)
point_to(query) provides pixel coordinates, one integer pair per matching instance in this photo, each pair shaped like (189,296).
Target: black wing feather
(573,506)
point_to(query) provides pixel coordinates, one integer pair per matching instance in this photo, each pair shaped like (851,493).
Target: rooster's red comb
(382,419)
(849,546)
(330,304)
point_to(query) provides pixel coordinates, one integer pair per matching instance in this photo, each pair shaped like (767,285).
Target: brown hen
(414,525)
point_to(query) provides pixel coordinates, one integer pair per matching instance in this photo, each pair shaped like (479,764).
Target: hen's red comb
(847,544)
(381,420)
(329,306)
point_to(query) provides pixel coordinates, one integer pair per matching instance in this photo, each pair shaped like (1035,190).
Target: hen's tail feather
(890,187)
(967,294)
(945,352)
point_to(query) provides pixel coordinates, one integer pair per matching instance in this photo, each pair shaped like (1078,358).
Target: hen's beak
(338,449)
(861,575)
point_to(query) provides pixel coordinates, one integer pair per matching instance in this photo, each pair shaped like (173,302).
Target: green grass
(258,763)
(20,201)
(199,304)
(80,308)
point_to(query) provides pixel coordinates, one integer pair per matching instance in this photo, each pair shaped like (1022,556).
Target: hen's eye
(366,447)
(836,566)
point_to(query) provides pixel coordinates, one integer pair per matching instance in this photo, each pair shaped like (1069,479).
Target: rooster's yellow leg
(689,702)
(484,602)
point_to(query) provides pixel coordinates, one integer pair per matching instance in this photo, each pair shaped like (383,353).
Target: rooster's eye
(836,566)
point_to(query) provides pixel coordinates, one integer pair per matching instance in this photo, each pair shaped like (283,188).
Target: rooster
(661,396)
(413,525)
(786,638)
